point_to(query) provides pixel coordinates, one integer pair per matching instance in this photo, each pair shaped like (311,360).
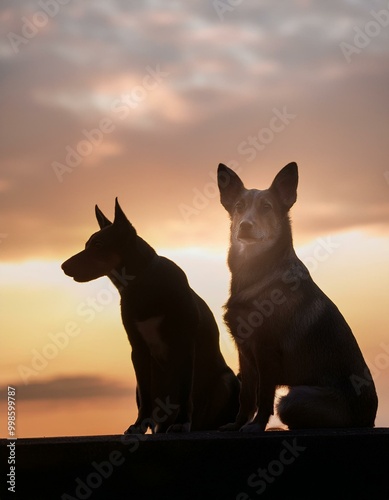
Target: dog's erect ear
(101,218)
(120,217)
(230,186)
(285,185)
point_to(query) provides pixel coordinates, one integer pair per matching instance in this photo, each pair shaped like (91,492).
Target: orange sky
(143,102)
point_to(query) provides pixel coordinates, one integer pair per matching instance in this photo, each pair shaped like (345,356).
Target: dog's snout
(245,225)
(65,267)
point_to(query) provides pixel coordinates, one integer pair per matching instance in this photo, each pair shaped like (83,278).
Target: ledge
(328,464)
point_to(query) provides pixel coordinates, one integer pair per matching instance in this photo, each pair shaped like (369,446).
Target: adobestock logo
(88,310)
(202,197)
(255,143)
(121,108)
(266,476)
(363,37)
(84,148)
(379,365)
(249,148)
(264,309)
(223,6)
(31,26)
(85,487)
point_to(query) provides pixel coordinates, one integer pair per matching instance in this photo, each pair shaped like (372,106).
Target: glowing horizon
(86,319)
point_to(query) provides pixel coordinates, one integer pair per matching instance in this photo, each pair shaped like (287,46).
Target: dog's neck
(257,263)
(136,262)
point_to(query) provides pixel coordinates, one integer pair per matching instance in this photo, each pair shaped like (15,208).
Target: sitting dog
(183,382)
(287,331)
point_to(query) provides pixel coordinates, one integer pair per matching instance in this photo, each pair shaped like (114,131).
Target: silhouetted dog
(288,333)
(183,381)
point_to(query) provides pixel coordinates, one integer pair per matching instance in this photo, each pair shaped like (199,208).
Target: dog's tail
(313,407)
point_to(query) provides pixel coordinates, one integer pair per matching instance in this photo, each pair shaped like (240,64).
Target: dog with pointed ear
(284,186)
(120,219)
(258,216)
(102,220)
(287,331)
(173,333)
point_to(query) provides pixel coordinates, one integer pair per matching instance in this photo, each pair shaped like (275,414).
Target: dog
(287,331)
(183,381)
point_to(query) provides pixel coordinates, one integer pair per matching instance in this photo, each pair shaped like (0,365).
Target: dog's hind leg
(314,407)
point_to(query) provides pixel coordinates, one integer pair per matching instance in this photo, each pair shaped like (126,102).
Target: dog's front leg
(183,420)
(265,407)
(142,365)
(173,382)
(248,391)
(268,370)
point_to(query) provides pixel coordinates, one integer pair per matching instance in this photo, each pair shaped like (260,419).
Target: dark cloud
(74,387)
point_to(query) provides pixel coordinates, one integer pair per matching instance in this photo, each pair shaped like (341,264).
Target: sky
(143,101)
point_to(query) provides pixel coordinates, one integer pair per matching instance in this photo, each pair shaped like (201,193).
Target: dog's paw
(252,428)
(135,429)
(185,427)
(233,426)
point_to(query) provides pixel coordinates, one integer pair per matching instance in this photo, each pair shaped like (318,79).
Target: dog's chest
(150,331)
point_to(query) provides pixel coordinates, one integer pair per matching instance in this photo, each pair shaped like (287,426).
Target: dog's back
(287,330)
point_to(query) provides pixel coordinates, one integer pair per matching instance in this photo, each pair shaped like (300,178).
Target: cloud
(223,79)
(70,387)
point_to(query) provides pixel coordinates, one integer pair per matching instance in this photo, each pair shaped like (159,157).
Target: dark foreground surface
(285,465)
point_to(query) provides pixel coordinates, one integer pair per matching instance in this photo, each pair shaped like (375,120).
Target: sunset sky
(142,100)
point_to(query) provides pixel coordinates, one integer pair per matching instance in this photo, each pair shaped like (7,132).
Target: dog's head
(104,250)
(258,216)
